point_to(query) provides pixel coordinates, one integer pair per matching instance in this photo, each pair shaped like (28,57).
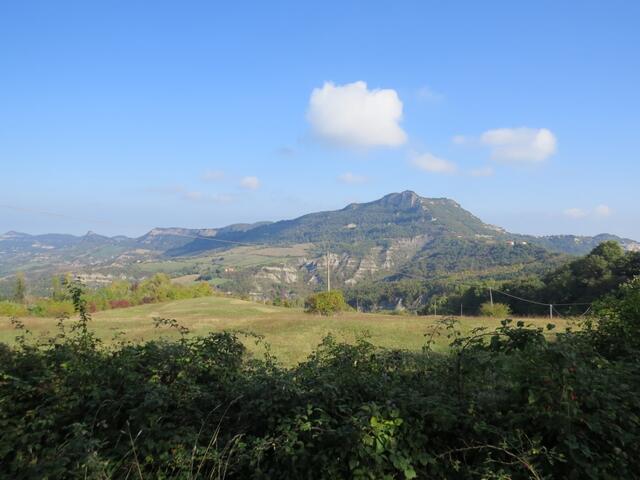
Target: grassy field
(291,333)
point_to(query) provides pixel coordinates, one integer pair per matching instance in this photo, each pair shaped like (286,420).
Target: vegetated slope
(446,255)
(167,239)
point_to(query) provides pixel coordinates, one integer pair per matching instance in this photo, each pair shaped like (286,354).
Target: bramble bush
(506,403)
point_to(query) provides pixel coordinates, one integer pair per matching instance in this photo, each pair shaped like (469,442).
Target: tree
(326,303)
(610,250)
(20,289)
(495,310)
(57,292)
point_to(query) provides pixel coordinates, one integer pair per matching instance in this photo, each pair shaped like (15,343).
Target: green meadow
(290,333)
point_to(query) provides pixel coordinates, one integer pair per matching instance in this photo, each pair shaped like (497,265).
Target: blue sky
(121,116)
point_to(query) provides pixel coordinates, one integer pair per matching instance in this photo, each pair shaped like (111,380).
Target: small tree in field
(20,290)
(326,303)
(497,310)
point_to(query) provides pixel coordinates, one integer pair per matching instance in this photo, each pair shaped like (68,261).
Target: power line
(540,303)
(552,306)
(522,299)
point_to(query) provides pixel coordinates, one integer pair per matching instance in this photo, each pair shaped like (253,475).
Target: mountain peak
(403,200)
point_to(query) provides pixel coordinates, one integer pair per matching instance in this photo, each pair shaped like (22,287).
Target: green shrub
(55,308)
(616,325)
(497,310)
(326,303)
(12,309)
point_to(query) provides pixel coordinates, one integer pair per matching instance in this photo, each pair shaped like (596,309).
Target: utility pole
(491,296)
(328,272)
(461,310)
(550,311)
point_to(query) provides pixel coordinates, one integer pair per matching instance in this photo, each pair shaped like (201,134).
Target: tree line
(117,294)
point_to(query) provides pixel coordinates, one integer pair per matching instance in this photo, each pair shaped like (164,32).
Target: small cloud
(427,94)
(354,116)
(352,179)
(602,211)
(460,139)
(285,151)
(207,197)
(520,145)
(433,164)
(191,195)
(212,175)
(482,172)
(250,183)
(575,213)
(196,196)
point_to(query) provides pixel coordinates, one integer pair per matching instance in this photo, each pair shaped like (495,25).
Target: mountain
(397,215)
(401,235)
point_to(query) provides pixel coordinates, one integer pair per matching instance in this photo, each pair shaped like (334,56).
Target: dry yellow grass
(291,333)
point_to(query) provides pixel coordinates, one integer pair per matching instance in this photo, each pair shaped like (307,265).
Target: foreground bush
(326,303)
(504,404)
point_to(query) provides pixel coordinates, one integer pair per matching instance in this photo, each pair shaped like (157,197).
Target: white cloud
(575,213)
(213,175)
(250,183)
(459,139)
(433,164)
(428,94)
(602,211)
(191,195)
(520,145)
(352,178)
(355,116)
(482,172)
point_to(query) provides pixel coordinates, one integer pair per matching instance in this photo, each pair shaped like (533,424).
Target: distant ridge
(394,216)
